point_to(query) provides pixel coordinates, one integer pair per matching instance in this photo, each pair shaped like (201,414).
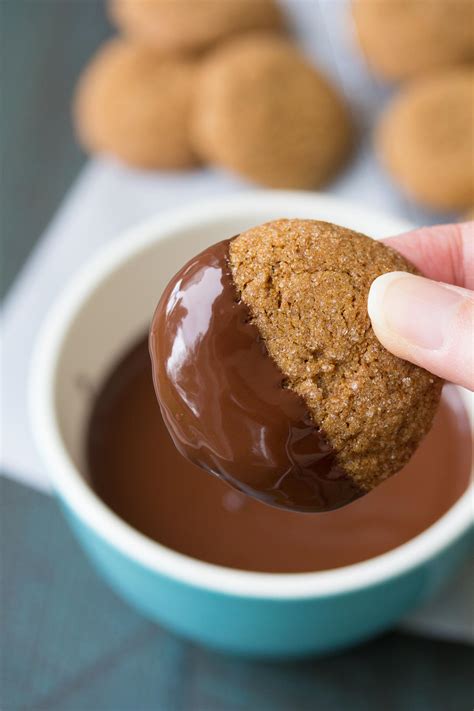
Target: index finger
(443,253)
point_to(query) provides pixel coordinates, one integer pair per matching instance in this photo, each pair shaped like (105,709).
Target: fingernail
(413,308)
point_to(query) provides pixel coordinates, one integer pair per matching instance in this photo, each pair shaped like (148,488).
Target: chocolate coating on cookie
(306,285)
(191,25)
(135,105)
(426,139)
(224,399)
(263,111)
(268,372)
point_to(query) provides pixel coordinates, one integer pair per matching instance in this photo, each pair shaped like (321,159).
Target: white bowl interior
(108,306)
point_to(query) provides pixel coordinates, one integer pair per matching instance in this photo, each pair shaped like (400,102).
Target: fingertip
(425,322)
(376,300)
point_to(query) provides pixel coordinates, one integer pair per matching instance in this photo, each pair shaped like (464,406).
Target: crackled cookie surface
(306,285)
(268,372)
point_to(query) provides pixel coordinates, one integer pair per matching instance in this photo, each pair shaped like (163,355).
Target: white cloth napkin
(108,198)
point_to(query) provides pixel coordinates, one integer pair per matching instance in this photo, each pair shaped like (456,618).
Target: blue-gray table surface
(68,642)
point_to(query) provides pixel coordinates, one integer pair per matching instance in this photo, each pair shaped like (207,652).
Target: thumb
(426,322)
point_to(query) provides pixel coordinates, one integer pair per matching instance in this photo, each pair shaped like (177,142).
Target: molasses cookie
(426,139)
(268,372)
(404,38)
(135,105)
(263,111)
(191,25)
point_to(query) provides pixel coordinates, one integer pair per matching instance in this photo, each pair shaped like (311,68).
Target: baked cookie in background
(426,139)
(403,38)
(263,111)
(135,105)
(191,25)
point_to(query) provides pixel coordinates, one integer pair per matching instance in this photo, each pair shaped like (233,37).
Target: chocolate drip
(224,400)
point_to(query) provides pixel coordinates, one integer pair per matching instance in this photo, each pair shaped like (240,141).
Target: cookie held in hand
(269,374)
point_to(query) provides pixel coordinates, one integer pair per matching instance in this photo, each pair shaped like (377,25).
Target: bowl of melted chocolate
(184,547)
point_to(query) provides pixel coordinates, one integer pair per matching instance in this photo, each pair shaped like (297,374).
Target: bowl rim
(89,508)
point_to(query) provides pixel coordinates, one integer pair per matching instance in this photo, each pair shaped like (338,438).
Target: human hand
(429,320)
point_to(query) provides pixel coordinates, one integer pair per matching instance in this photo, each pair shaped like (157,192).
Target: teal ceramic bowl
(106,308)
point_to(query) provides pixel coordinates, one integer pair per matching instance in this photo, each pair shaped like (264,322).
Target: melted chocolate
(137,471)
(223,398)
